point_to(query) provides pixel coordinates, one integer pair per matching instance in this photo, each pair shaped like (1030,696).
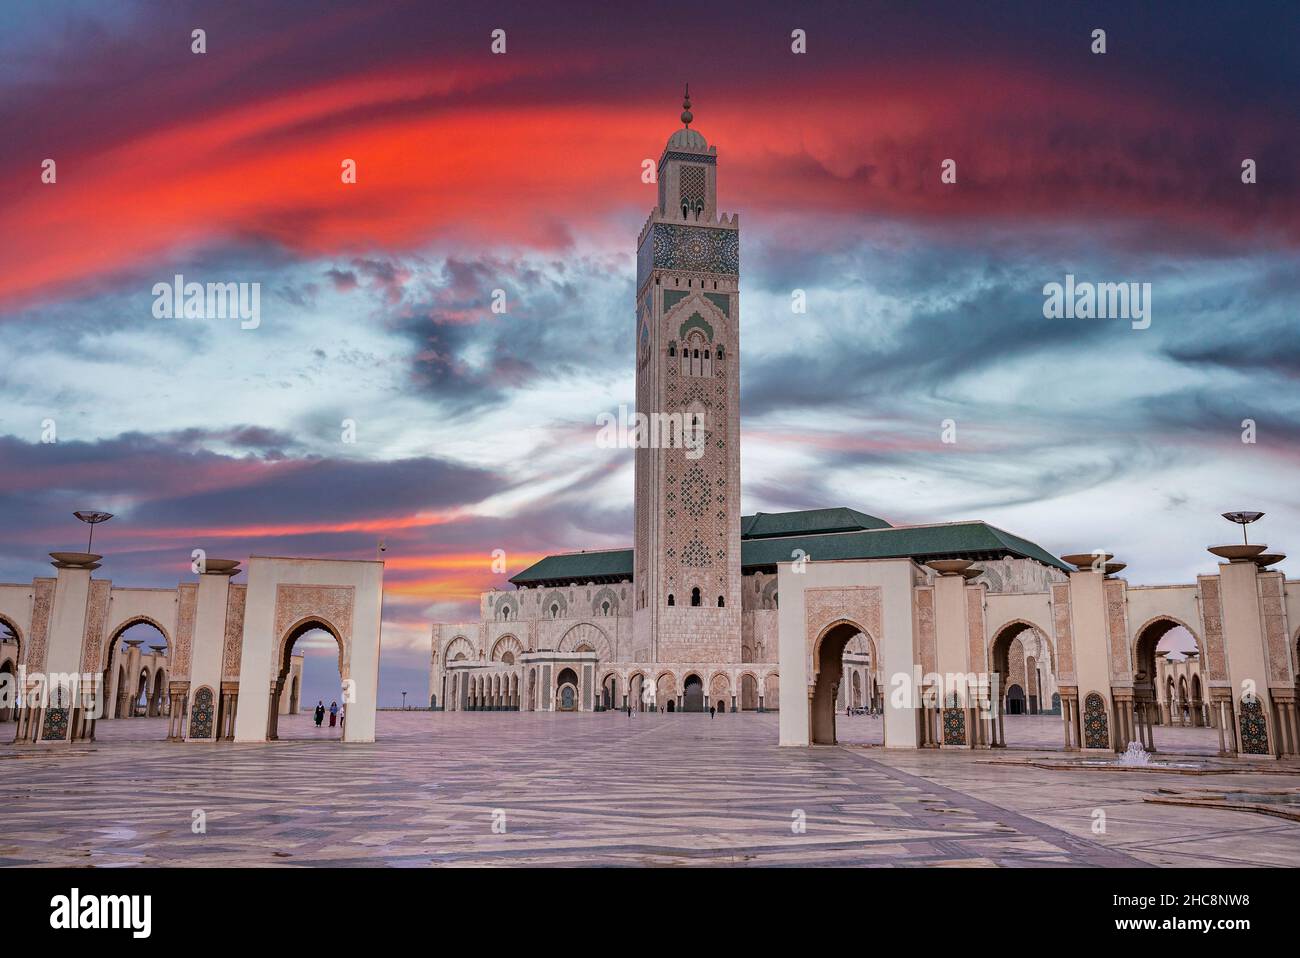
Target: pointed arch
(585,633)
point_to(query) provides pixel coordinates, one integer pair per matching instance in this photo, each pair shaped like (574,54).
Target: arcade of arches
(77,650)
(1117,663)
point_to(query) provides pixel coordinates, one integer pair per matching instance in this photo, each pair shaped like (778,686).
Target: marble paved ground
(1043,732)
(595,789)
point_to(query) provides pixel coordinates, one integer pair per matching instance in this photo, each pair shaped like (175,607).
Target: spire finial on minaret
(687,116)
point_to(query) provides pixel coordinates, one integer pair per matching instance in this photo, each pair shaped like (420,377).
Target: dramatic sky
(476,431)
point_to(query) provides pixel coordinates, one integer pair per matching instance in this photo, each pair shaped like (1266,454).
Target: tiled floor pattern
(589,789)
(1043,732)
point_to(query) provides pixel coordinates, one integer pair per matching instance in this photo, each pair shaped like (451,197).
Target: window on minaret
(672,348)
(692,185)
(671,600)
(695,596)
(722,602)
(695,355)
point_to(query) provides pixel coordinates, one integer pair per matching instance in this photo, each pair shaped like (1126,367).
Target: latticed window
(691,189)
(695,492)
(695,555)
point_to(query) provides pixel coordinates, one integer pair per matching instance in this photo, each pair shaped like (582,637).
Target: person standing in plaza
(334,713)
(320,712)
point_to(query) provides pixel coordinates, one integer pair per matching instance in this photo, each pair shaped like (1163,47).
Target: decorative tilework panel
(1254,730)
(1096,729)
(202,717)
(696,248)
(55,726)
(954,726)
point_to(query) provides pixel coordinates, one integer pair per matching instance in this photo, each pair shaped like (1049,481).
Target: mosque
(818,612)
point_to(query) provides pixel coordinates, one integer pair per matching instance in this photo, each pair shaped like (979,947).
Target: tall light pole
(1243,519)
(403,701)
(92,518)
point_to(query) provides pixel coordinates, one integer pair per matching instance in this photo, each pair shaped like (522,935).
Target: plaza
(574,789)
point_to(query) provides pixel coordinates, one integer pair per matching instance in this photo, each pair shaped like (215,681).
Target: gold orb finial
(687,115)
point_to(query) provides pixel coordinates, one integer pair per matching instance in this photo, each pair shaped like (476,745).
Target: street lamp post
(1243,519)
(403,701)
(92,519)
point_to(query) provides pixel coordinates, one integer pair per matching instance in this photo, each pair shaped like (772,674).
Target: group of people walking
(335,713)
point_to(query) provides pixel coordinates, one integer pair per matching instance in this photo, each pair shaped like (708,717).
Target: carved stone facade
(185,612)
(234,637)
(96,618)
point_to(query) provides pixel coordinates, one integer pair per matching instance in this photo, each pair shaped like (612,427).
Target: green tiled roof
(579,567)
(769,538)
(970,540)
(807,522)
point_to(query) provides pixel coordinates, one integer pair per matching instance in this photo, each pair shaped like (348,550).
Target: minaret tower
(687,549)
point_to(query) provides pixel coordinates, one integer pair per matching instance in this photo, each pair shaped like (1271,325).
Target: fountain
(1135,755)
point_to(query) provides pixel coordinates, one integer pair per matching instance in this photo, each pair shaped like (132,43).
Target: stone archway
(693,693)
(666,692)
(589,635)
(117,701)
(749,692)
(609,697)
(506,649)
(158,697)
(566,690)
(636,692)
(8,689)
(828,668)
(279,690)
(720,692)
(1146,678)
(284,598)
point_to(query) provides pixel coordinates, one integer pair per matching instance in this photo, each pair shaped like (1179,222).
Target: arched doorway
(636,692)
(158,700)
(323,678)
(1165,637)
(693,694)
(665,692)
(8,689)
(10,656)
(140,702)
(566,690)
(771,700)
(828,667)
(1021,656)
(138,640)
(720,692)
(609,692)
(748,692)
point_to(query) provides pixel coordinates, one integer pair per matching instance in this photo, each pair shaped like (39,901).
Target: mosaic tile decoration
(1096,729)
(954,726)
(696,248)
(201,714)
(54,728)
(1254,730)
